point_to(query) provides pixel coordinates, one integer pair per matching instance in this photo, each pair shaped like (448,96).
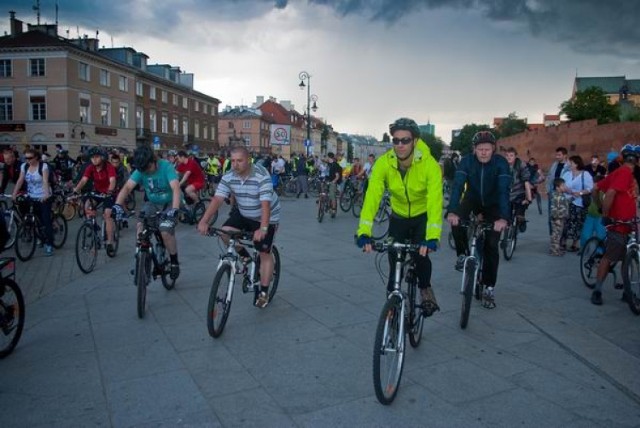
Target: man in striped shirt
(257,209)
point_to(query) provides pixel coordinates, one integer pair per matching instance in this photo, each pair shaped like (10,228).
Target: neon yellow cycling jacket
(419,192)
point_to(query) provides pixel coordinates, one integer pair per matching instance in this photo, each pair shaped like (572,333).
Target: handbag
(586,199)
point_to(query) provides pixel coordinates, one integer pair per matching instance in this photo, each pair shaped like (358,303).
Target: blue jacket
(487,185)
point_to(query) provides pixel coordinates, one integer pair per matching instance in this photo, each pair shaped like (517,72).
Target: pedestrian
(579,184)
(302,175)
(595,169)
(559,167)
(559,213)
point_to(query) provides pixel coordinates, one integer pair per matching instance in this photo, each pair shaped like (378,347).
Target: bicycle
(348,195)
(148,255)
(323,201)
(509,238)
(229,266)
(30,230)
(631,268)
(11,219)
(12,307)
(191,213)
(472,270)
(92,235)
(401,315)
(590,256)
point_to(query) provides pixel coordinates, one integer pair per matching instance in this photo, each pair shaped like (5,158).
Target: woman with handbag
(579,184)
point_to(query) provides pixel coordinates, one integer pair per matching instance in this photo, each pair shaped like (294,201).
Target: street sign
(308,143)
(156,142)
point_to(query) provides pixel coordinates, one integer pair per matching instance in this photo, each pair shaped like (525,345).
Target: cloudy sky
(450,62)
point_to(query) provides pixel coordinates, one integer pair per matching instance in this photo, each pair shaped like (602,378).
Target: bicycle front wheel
(25,242)
(11,316)
(12,228)
(142,280)
(220,301)
(510,241)
(321,209)
(415,316)
(539,202)
(346,200)
(380,224)
(388,351)
(590,260)
(69,210)
(59,231)
(164,267)
(86,248)
(468,278)
(198,211)
(356,207)
(631,279)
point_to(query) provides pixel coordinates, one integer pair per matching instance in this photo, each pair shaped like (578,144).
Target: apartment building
(245,126)
(55,90)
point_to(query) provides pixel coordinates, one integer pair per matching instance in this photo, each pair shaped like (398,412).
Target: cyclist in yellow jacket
(414,180)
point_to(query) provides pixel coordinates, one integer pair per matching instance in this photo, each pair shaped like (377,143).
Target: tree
(386,138)
(462,141)
(436,145)
(592,103)
(512,125)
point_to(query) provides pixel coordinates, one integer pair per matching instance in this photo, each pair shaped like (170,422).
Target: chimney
(15,24)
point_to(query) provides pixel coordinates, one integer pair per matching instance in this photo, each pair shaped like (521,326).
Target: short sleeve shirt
(624,202)
(100,178)
(196,176)
(156,185)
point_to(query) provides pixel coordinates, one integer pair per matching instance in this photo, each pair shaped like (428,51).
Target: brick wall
(583,138)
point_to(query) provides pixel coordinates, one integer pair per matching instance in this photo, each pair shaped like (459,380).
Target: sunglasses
(29,157)
(404,141)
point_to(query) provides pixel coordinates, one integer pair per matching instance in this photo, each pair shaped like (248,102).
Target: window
(152,92)
(153,122)
(175,99)
(124,115)
(123,83)
(185,102)
(204,108)
(176,126)
(196,105)
(139,89)
(83,71)
(213,132)
(36,67)
(38,107)
(185,127)
(246,124)
(5,68)
(6,107)
(105,112)
(105,78)
(85,109)
(139,118)
(205,132)
(164,96)
(196,129)
(165,122)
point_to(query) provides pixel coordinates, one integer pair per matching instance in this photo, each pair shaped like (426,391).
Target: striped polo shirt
(249,194)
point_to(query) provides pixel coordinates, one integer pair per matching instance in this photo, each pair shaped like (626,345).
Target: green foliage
(436,145)
(462,142)
(629,112)
(512,125)
(592,103)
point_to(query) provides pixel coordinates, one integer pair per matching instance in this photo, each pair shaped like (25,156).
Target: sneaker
(111,249)
(488,298)
(460,263)
(333,213)
(125,224)
(429,304)
(596,297)
(48,250)
(522,224)
(263,300)
(174,270)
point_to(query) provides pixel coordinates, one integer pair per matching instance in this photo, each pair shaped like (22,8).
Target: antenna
(36,7)
(67,32)
(56,13)
(97,32)
(111,42)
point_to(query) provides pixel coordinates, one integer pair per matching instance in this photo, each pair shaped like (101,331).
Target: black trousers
(411,229)
(490,245)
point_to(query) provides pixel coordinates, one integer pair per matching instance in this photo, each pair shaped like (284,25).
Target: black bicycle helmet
(483,137)
(97,151)
(405,124)
(143,156)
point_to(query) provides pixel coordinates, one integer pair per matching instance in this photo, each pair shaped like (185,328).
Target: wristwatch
(264,229)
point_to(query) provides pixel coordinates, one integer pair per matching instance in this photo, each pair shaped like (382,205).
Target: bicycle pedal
(488,304)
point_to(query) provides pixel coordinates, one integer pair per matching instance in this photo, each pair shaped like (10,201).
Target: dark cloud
(585,25)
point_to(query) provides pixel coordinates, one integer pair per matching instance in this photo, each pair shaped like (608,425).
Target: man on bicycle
(619,204)
(162,189)
(192,176)
(103,176)
(414,180)
(487,179)
(520,196)
(213,169)
(334,178)
(257,209)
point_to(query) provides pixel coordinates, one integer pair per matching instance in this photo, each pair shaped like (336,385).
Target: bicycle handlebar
(242,235)
(382,246)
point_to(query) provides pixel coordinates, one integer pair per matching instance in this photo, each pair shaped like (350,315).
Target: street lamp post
(306,76)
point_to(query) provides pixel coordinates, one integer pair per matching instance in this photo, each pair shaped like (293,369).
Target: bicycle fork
(476,268)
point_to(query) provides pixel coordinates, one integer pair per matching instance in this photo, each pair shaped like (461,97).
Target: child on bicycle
(559,214)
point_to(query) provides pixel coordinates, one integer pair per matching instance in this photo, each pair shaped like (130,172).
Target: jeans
(592,227)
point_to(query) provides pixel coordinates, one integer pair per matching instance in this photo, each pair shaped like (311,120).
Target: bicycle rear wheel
(539,202)
(590,260)
(510,241)
(12,228)
(86,248)
(11,316)
(59,231)
(69,210)
(416,319)
(346,199)
(220,300)
(321,209)
(468,278)
(451,241)
(388,351)
(142,280)
(198,211)
(356,207)
(631,279)
(275,279)
(25,241)
(380,224)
